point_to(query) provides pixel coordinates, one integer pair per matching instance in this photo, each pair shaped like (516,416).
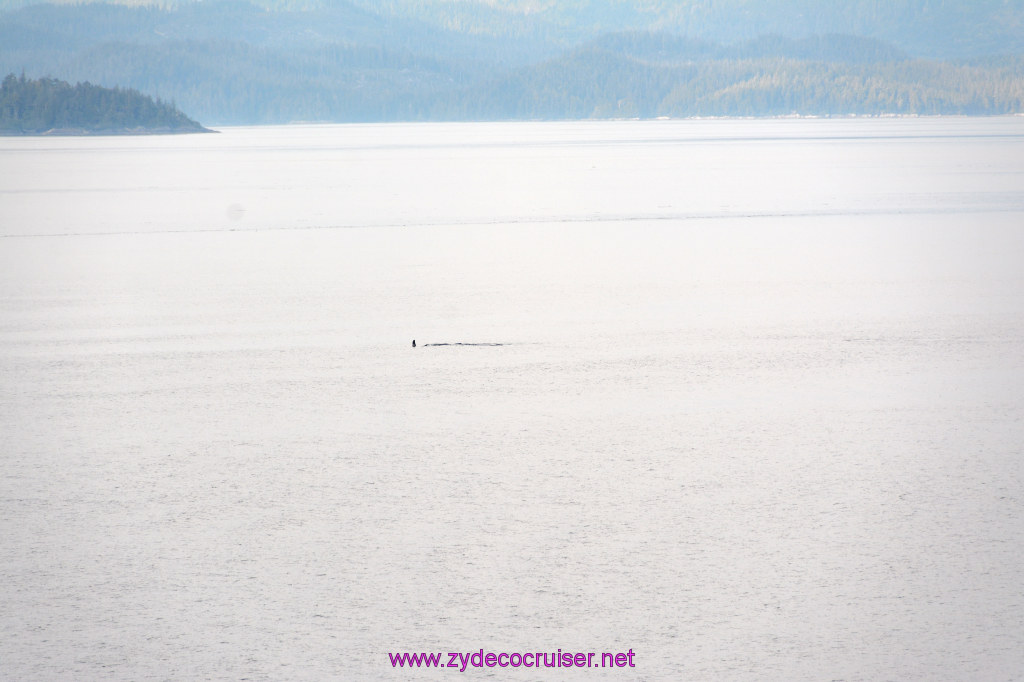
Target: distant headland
(48,106)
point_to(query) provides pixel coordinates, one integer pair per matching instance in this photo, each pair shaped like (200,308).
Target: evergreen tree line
(48,104)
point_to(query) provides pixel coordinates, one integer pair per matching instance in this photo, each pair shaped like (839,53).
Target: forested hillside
(648,75)
(48,105)
(232,62)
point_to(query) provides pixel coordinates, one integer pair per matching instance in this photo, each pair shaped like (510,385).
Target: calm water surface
(748,399)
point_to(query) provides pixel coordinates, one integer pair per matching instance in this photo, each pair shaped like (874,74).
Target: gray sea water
(743,397)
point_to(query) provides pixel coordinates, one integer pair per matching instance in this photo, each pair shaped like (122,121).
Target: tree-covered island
(48,106)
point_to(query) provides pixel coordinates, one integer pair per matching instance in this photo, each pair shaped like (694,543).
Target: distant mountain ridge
(922,28)
(235,62)
(668,48)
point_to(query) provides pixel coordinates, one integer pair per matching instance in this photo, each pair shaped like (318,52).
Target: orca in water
(414,343)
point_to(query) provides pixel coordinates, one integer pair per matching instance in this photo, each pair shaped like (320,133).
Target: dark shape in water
(414,343)
(463,344)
